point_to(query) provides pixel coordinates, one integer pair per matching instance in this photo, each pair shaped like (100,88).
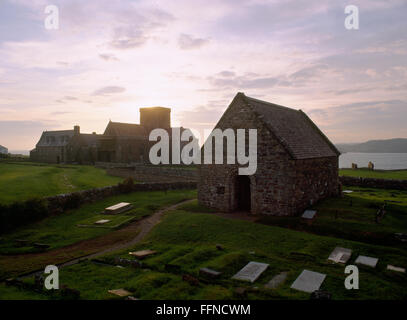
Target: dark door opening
(243,193)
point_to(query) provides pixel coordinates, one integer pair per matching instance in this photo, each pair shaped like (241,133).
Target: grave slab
(308,281)
(367,261)
(142,253)
(118,208)
(251,272)
(340,255)
(347,191)
(206,272)
(309,214)
(120,292)
(277,280)
(397,269)
(103,221)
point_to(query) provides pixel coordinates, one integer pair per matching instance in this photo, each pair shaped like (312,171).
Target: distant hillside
(376,146)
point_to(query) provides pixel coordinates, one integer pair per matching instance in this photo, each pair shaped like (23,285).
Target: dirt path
(23,265)
(145,227)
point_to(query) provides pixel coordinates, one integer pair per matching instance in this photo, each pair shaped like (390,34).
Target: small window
(220,190)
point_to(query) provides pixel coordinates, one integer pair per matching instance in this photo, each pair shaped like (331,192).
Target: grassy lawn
(21,181)
(60,231)
(187,238)
(381,174)
(353,216)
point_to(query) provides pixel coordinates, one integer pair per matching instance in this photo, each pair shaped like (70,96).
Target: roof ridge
(270,103)
(133,124)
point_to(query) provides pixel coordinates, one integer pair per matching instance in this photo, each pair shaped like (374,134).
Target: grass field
(22,181)
(353,216)
(63,230)
(381,174)
(187,238)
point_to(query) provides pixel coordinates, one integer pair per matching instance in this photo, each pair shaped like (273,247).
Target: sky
(108,58)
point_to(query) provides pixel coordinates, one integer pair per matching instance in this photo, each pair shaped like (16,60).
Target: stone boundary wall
(62,202)
(152,173)
(374,183)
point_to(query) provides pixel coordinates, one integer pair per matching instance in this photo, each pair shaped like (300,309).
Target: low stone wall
(62,202)
(154,174)
(374,183)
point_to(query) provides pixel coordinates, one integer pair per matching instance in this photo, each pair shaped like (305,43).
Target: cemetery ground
(192,237)
(353,217)
(24,180)
(74,233)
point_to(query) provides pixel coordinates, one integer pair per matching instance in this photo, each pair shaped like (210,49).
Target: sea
(381,161)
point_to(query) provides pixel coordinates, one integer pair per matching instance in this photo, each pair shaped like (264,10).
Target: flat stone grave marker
(308,281)
(120,292)
(103,221)
(206,272)
(309,214)
(397,269)
(340,255)
(277,280)
(251,272)
(118,208)
(401,236)
(347,191)
(142,253)
(367,261)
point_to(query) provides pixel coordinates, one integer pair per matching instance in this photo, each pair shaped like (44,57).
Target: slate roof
(124,129)
(87,139)
(55,138)
(295,131)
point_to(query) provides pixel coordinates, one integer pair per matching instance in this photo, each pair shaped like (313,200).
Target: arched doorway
(243,193)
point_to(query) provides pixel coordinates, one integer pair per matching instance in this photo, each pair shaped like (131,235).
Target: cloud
(244,82)
(109,90)
(227,74)
(364,120)
(108,57)
(309,72)
(188,42)
(59,113)
(128,38)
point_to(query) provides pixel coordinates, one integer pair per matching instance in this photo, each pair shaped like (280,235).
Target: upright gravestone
(251,272)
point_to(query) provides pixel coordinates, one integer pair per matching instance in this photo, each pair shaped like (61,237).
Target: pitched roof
(86,139)
(55,138)
(295,131)
(124,129)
